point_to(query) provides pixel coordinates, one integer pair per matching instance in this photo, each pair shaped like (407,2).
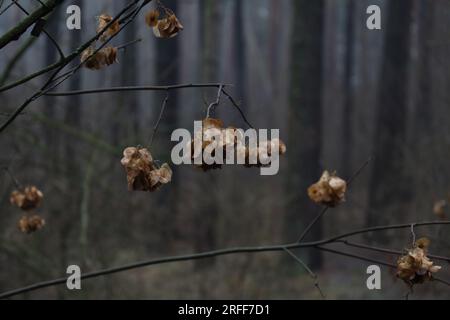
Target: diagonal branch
(64,62)
(16,32)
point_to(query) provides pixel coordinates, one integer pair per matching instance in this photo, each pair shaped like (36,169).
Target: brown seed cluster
(100,59)
(103,21)
(28,199)
(415,267)
(142,172)
(94,59)
(167,27)
(215,138)
(30,224)
(329,190)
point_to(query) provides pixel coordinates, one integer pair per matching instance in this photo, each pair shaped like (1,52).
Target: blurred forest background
(337,91)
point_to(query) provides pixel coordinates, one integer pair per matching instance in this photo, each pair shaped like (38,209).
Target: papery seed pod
(415,267)
(31,224)
(103,21)
(329,190)
(27,199)
(151,18)
(110,55)
(97,60)
(168,27)
(142,173)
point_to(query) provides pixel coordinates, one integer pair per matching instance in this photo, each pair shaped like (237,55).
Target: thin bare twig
(134,88)
(15,33)
(203,255)
(13,178)
(236,105)
(388,251)
(161,113)
(64,62)
(325,209)
(49,36)
(215,103)
(311,273)
(413,235)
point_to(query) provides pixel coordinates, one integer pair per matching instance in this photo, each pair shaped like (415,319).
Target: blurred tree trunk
(422,119)
(167,66)
(239,52)
(346,152)
(305,119)
(389,186)
(206,216)
(51,56)
(130,72)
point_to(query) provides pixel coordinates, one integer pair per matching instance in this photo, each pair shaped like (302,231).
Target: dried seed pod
(329,190)
(103,21)
(110,54)
(97,60)
(142,173)
(31,224)
(27,199)
(151,18)
(160,176)
(168,27)
(261,156)
(415,267)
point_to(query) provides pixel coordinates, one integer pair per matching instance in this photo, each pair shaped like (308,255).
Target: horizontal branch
(135,88)
(221,252)
(388,251)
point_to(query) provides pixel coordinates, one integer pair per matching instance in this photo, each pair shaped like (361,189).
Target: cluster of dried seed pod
(143,174)
(415,267)
(30,224)
(262,153)
(97,60)
(94,59)
(329,190)
(215,138)
(28,199)
(103,21)
(167,27)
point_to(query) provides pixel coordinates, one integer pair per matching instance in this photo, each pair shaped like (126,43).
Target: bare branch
(203,255)
(63,62)
(135,88)
(312,274)
(161,113)
(15,33)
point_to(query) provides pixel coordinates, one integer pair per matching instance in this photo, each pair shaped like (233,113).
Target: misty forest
(360,93)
